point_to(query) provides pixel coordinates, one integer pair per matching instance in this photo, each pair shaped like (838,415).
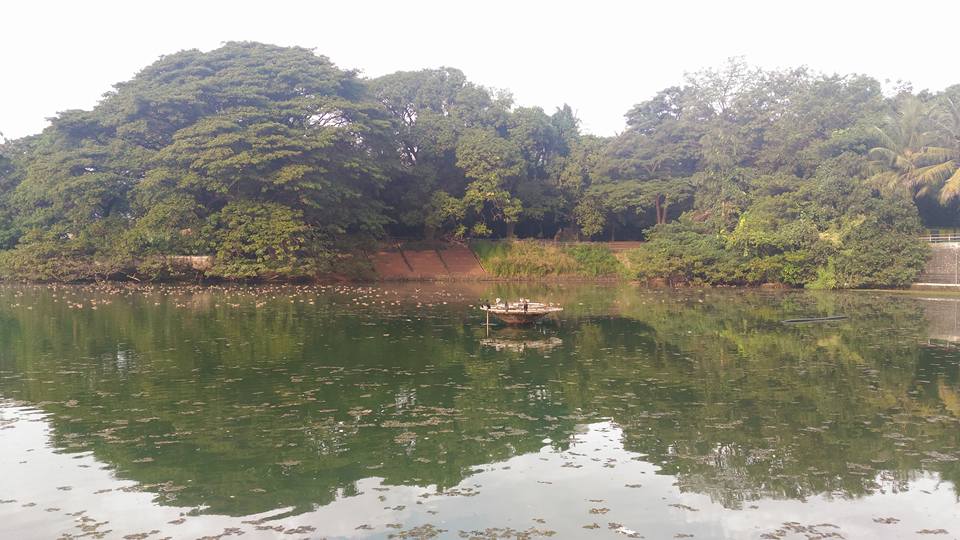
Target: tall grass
(489,250)
(517,259)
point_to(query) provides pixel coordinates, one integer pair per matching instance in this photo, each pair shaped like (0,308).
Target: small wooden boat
(522,312)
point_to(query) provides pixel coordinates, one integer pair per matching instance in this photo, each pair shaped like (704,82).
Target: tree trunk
(660,204)
(429,233)
(510,227)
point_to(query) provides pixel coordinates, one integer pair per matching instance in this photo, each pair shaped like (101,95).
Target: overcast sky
(599,56)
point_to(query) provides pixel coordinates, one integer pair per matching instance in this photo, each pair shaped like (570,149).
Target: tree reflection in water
(242,401)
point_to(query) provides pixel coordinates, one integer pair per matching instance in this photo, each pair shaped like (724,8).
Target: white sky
(600,56)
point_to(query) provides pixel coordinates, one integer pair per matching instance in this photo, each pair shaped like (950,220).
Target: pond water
(389,412)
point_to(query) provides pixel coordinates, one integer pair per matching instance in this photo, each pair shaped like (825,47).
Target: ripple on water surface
(340,411)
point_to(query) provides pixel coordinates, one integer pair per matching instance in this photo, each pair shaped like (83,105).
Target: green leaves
(919,149)
(827,232)
(493,165)
(243,136)
(951,188)
(261,240)
(267,156)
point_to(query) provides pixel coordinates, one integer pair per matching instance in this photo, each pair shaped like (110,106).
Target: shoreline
(325,281)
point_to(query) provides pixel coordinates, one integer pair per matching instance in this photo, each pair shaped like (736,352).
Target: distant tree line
(277,162)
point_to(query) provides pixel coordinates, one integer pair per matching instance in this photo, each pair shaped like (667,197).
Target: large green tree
(196,132)
(430,110)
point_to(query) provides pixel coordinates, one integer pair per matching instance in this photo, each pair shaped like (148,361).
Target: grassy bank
(531,259)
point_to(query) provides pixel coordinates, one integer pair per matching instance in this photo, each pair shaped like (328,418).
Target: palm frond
(881,153)
(948,119)
(951,188)
(936,154)
(885,180)
(903,162)
(886,140)
(933,174)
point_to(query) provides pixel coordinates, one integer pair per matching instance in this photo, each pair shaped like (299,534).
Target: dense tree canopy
(274,160)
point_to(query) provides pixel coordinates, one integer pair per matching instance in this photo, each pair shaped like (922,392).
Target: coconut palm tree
(914,158)
(949,123)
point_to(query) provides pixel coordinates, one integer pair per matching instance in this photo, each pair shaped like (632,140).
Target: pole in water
(488,322)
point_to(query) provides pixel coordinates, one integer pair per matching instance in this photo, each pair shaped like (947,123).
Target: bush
(686,252)
(826,277)
(61,256)
(833,232)
(595,260)
(876,258)
(880,245)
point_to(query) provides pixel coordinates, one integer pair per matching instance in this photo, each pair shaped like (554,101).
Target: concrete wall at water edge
(943,267)
(447,262)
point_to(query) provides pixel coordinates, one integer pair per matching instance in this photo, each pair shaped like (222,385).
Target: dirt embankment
(450,262)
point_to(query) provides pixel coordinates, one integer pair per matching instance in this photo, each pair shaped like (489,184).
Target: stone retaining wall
(943,267)
(451,262)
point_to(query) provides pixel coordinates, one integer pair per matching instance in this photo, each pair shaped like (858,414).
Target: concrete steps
(448,262)
(390,264)
(461,262)
(426,264)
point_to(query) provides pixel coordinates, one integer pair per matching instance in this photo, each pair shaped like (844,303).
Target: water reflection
(359,411)
(519,339)
(594,485)
(943,318)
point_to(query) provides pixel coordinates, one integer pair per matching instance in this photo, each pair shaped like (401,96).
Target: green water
(389,412)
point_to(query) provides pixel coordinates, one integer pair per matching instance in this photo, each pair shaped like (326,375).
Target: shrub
(826,277)
(881,248)
(60,256)
(595,260)
(685,252)
(873,257)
